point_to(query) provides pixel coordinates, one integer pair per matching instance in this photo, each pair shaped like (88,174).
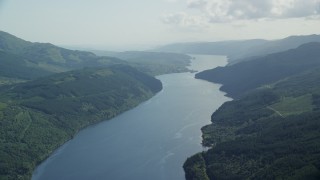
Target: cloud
(185,20)
(202,15)
(172,1)
(232,10)
(196,3)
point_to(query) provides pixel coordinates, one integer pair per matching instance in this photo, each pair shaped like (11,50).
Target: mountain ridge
(53,59)
(241,50)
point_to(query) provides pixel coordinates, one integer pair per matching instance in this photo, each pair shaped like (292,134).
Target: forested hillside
(270,131)
(48,93)
(38,116)
(242,77)
(23,60)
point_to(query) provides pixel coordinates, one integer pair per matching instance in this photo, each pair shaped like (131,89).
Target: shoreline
(58,148)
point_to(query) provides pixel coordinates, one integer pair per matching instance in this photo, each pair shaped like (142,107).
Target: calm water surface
(151,141)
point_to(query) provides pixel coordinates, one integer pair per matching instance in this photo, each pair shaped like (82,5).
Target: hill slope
(271,133)
(38,116)
(14,66)
(239,78)
(26,60)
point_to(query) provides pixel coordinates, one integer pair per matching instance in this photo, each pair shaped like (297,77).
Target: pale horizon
(141,24)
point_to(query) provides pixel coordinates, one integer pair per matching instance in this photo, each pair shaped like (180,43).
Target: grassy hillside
(16,67)
(240,78)
(270,133)
(12,43)
(24,60)
(51,57)
(38,116)
(153,63)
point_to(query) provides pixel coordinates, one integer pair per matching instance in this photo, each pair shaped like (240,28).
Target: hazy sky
(122,24)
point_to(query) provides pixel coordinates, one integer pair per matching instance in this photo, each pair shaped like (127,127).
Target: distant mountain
(229,48)
(242,77)
(276,46)
(241,50)
(38,116)
(154,63)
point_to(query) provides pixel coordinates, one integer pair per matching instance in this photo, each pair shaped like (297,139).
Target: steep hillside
(271,133)
(38,59)
(12,43)
(38,116)
(49,56)
(240,78)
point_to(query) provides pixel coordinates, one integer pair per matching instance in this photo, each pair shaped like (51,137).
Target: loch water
(151,141)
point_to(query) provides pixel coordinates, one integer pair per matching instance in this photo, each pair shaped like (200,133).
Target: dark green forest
(271,129)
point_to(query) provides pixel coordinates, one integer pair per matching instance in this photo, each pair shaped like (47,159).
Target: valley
(150,141)
(54,102)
